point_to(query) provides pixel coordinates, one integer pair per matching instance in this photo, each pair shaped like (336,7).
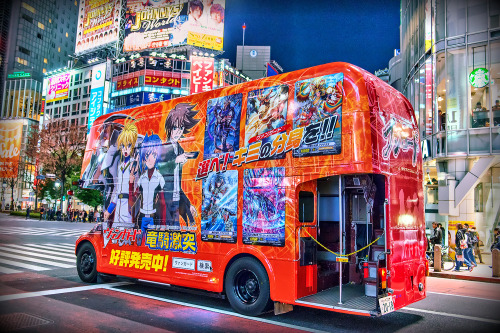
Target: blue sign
(152,97)
(134,99)
(95,108)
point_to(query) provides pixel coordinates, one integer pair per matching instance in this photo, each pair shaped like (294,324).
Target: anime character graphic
(179,121)
(219,206)
(223,121)
(101,172)
(266,111)
(150,183)
(264,206)
(321,99)
(120,197)
(318,109)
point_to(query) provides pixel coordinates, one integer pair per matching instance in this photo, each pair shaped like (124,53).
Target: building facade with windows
(40,36)
(450,72)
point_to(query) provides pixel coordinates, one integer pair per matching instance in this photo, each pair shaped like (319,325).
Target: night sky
(312,32)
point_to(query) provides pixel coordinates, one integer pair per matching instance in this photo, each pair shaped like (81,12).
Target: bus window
(306,206)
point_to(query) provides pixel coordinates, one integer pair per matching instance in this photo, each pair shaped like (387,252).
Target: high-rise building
(450,59)
(40,36)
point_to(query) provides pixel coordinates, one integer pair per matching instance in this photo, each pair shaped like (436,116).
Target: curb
(465,277)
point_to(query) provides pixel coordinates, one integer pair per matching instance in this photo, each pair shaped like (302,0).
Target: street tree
(57,148)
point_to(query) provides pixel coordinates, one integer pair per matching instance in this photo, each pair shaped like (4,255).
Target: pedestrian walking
(496,238)
(477,245)
(471,241)
(91,216)
(28,211)
(460,246)
(85,216)
(41,212)
(440,226)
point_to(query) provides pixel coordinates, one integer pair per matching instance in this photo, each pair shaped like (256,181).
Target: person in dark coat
(28,211)
(460,235)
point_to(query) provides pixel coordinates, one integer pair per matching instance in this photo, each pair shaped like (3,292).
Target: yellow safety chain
(338,254)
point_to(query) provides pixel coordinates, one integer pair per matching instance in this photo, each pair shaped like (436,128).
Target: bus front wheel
(247,287)
(86,264)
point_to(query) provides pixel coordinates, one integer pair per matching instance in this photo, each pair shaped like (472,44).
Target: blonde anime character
(120,197)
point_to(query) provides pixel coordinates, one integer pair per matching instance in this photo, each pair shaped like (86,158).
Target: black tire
(86,263)
(247,287)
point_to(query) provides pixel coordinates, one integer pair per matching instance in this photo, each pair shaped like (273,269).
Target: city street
(41,292)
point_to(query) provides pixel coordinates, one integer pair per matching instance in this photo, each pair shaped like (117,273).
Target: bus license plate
(386,305)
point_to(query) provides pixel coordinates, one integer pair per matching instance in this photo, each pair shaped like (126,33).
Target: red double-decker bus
(301,189)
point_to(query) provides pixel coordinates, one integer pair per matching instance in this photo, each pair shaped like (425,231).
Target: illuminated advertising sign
(11,133)
(139,98)
(58,87)
(127,83)
(153,80)
(157,24)
(202,74)
(98,23)
(96,93)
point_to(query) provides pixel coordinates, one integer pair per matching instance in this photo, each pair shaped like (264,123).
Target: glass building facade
(450,72)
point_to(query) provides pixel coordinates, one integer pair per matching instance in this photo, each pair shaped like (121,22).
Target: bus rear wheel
(247,287)
(86,264)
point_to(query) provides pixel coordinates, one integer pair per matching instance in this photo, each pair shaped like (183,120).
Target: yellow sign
(341,259)
(11,133)
(204,40)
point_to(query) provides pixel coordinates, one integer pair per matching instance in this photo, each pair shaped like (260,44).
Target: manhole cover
(17,321)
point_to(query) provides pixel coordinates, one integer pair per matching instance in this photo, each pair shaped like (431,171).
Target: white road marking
(6,270)
(51,250)
(481,298)
(234,314)
(34,254)
(60,291)
(35,260)
(70,247)
(453,315)
(20,264)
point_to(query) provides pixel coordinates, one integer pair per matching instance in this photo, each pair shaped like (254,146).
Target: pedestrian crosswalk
(16,258)
(41,231)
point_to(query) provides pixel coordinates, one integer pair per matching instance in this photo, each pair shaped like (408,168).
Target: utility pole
(243,51)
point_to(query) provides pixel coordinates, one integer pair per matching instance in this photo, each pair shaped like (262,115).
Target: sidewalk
(481,273)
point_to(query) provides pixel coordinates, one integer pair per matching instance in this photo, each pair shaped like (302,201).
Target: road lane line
(20,264)
(6,270)
(51,250)
(234,314)
(453,315)
(481,298)
(46,250)
(34,254)
(69,247)
(60,291)
(35,260)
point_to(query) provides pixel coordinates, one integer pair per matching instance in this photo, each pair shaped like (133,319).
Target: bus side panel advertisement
(264,206)
(219,207)
(266,116)
(222,129)
(318,106)
(158,24)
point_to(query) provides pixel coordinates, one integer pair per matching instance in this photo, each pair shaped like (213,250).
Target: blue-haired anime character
(150,182)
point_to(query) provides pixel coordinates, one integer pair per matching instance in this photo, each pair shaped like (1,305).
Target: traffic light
(64,197)
(70,192)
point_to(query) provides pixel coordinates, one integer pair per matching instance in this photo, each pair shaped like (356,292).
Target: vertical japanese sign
(428,96)
(58,87)
(202,74)
(96,93)
(11,133)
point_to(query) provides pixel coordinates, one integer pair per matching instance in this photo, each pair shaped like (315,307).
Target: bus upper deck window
(306,206)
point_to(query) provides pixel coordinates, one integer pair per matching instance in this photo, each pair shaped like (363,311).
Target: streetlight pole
(62,192)
(243,49)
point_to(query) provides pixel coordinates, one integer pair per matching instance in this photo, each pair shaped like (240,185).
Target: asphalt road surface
(40,292)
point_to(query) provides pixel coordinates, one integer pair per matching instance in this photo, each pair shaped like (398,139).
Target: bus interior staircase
(354,297)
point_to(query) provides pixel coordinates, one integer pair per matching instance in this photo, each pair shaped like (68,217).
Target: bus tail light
(382,272)
(426,267)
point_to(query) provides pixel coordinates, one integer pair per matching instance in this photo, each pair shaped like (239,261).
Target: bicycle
(447,262)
